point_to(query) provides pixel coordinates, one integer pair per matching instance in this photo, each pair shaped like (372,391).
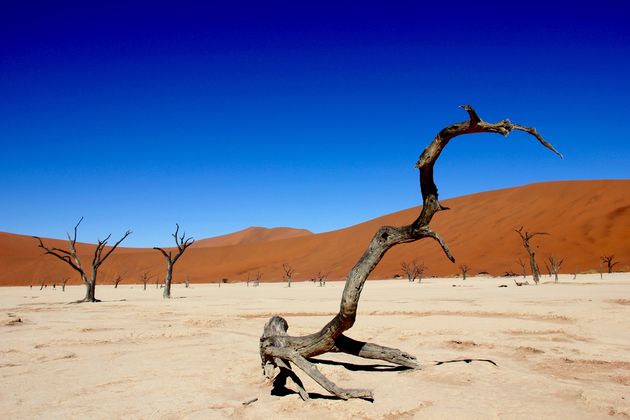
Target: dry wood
(413,270)
(276,345)
(526,237)
(610,262)
(71,258)
(182,244)
(464,269)
(288,273)
(554,266)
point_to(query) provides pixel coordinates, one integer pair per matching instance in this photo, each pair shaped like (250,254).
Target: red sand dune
(252,235)
(584,219)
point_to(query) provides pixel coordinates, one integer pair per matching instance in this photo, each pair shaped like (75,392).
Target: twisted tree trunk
(277,349)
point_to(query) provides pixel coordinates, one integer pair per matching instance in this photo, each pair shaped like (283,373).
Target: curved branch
(53,251)
(115,245)
(476,125)
(167,256)
(330,337)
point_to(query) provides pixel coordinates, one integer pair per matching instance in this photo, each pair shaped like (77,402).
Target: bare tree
(71,258)
(548,269)
(464,269)
(554,266)
(321,277)
(145,279)
(187,282)
(413,270)
(42,285)
(117,280)
(610,262)
(522,263)
(526,237)
(63,283)
(182,244)
(257,277)
(277,349)
(288,273)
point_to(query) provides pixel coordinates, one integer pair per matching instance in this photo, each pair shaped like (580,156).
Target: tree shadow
(465,361)
(279,388)
(361,368)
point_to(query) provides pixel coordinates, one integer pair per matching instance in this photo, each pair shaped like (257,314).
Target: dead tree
(610,262)
(117,280)
(187,282)
(548,269)
(554,266)
(522,263)
(182,244)
(288,273)
(464,269)
(526,237)
(413,270)
(63,284)
(257,277)
(145,279)
(41,287)
(277,349)
(321,277)
(71,258)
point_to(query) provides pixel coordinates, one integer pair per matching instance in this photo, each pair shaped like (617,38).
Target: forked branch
(182,243)
(275,344)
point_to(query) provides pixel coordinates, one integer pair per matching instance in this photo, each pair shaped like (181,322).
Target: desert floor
(553,350)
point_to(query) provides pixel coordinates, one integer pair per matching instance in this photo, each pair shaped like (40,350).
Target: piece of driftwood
(278,349)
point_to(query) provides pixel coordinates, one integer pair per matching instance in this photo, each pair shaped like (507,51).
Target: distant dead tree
(554,266)
(288,273)
(526,237)
(182,244)
(413,270)
(464,269)
(610,262)
(548,269)
(63,283)
(187,282)
(522,263)
(321,277)
(71,258)
(145,279)
(279,350)
(42,285)
(257,277)
(117,280)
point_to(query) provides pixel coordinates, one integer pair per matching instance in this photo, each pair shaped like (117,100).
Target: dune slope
(584,219)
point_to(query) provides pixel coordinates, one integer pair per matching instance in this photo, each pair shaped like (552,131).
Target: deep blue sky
(221,116)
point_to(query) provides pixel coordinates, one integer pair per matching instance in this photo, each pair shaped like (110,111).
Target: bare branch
(53,251)
(115,245)
(167,256)
(296,349)
(182,244)
(76,227)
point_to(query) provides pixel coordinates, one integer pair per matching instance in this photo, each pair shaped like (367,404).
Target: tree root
(277,351)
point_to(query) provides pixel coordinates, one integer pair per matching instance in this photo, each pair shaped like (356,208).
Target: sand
(584,219)
(553,350)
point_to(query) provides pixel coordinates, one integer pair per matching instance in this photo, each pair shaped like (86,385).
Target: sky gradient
(221,117)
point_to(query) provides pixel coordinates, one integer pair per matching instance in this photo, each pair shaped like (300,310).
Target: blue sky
(223,115)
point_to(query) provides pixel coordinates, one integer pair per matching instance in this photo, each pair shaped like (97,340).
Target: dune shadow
(438,363)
